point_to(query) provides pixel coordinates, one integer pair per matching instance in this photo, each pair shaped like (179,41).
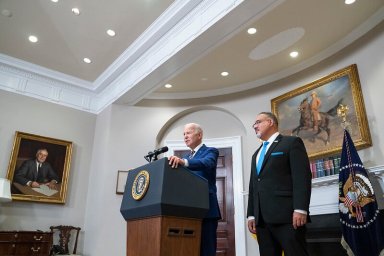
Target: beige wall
(19,113)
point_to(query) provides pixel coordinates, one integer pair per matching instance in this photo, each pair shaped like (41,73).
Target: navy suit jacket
(204,164)
(284,182)
(27,172)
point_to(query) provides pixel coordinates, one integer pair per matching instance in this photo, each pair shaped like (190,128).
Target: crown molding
(173,30)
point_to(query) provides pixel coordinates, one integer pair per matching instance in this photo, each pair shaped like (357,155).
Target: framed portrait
(39,168)
(121,180)
(310,112)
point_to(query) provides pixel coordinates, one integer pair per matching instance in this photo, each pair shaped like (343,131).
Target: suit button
(258,179)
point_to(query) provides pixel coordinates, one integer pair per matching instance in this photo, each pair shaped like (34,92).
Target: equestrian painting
(317,122)
(310,112)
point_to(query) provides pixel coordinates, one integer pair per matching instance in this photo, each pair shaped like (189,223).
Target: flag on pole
(362,230)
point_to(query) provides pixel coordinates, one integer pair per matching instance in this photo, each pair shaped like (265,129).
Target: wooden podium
(163,208)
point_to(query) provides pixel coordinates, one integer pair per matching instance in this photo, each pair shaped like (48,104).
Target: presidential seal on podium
(140,185)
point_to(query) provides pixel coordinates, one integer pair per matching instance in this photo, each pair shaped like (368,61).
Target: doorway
(226,228)
(237,195)
(224,178)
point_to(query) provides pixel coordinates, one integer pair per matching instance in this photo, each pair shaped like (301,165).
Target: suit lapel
(199,152)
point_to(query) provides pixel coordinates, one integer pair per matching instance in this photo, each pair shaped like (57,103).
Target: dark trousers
(275,238)
(208,237)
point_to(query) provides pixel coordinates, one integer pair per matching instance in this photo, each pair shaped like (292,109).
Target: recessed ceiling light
(168,86)
(33,38)
(224,73)
(349,1)
(111,32)
(252,31)
(55,1)
(87,60)
(76,11)
(6,13)
(294,54)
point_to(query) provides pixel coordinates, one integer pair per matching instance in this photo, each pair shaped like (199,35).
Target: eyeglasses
(258,122)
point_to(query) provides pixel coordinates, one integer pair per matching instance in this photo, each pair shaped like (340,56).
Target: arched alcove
(216,122)
(222,129)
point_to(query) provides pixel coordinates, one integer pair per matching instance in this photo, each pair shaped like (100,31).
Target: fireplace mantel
(325,190)
(334,179)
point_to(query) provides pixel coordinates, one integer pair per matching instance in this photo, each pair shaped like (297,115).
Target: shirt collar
(273,137)
(198,147)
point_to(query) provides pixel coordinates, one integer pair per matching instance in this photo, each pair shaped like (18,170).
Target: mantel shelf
(334,179)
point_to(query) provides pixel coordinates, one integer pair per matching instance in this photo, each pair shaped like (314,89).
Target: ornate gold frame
(25,146)
(342,86)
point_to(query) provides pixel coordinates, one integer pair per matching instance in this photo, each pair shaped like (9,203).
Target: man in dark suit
(279,191)
(203,161)
(36,172)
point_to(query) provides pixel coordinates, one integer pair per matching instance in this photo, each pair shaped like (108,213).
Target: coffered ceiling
(184,43)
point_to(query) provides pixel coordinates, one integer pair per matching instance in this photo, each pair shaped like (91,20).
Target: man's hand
(252,226)
(51,185)
(299,219)
(35,184)
(175,161)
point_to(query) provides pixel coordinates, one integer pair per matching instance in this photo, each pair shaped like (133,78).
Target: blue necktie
(261,157)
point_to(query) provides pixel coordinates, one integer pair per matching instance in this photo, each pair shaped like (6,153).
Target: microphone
(155,153)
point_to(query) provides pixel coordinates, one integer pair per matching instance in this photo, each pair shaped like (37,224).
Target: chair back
(65,236)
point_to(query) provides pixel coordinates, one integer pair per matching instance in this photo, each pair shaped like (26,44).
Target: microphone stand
(154,154)
(150,155)
(155,157)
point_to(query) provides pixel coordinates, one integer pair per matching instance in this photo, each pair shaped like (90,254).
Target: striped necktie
(192,153)
(261,156)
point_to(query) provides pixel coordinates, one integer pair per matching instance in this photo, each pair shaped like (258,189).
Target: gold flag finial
(342,112)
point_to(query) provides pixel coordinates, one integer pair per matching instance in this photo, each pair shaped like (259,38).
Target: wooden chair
(65,235)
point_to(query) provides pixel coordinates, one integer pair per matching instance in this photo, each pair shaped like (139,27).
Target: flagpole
(362,232)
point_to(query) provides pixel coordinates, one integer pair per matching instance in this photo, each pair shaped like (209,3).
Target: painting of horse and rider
(310,112)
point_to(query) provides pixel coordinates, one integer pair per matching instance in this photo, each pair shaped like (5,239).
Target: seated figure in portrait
(37,172)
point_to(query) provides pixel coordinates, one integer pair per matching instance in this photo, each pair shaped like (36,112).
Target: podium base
(163,236)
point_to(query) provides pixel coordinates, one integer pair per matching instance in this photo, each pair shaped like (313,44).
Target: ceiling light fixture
(111,32)
(6,13)
(76,11)
(87,60)
(224,73)
(294,54)
(33,38)
(55,1)
(252,31)
(349,1)
(168,86)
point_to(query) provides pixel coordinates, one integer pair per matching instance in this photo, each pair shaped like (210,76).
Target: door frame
(238,181)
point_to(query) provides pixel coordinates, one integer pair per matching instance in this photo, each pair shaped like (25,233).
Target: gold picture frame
(293,112)
(23,164)
(121,181)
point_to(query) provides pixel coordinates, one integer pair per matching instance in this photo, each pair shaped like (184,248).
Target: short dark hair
(271,116)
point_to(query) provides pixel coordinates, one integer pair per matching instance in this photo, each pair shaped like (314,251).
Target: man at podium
(203,161)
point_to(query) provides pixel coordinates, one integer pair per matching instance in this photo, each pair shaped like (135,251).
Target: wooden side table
(31,243)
